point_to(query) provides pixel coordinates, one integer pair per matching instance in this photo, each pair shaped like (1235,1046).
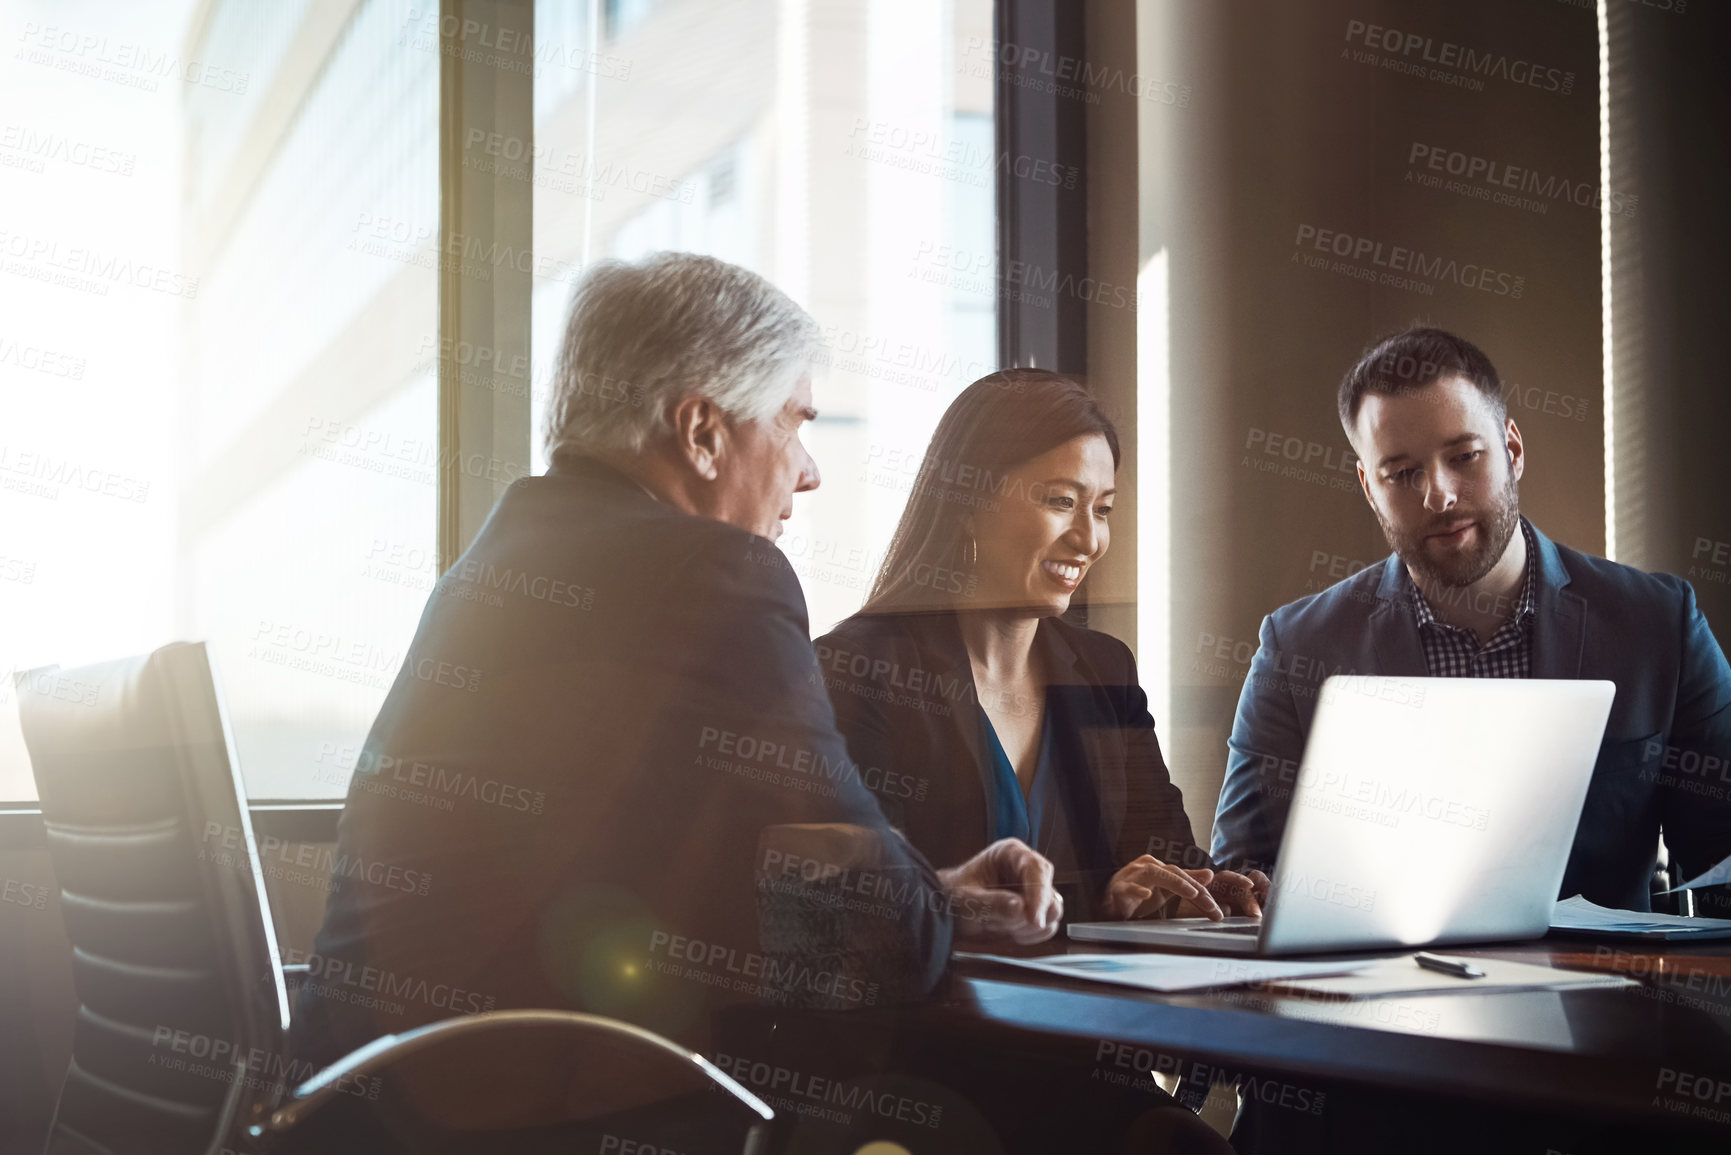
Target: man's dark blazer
(607,759)
(1664,760)
(904,697)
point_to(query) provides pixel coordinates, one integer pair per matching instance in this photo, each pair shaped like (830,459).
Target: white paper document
(1171,972)
(1578,914)
(1402,976)
(1715,877)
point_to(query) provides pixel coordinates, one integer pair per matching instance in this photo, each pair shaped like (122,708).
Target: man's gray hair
(641,336)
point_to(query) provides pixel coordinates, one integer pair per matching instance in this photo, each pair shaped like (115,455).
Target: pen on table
(1447,966)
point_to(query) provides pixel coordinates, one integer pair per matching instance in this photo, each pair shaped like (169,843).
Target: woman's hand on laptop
(1239,893)
(1004,892)
(1145,887)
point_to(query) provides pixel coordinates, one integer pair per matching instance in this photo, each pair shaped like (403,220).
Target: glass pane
(845,151)
(263,401)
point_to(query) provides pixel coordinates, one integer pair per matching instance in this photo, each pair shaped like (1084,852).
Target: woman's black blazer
(904,698)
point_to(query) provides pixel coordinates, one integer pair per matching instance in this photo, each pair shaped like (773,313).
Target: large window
(218,364)
(308,515)
(232,437)
(94,282)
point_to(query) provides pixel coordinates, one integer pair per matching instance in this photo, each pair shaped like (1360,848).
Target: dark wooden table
(1654,1055)
(1642,1069)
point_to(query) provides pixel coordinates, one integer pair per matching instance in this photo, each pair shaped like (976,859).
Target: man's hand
(1004,891)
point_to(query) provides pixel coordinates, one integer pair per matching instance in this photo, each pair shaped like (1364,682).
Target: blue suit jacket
(1665,762)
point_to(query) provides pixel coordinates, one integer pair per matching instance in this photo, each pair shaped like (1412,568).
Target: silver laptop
(1427,810)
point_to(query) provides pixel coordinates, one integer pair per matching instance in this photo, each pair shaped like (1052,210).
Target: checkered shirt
(1453,652)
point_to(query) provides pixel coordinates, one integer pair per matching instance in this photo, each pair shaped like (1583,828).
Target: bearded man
(1473,589)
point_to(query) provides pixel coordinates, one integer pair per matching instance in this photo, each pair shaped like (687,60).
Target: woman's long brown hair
(998,423)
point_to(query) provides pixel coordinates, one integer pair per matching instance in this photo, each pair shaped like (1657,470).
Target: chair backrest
(182,1004)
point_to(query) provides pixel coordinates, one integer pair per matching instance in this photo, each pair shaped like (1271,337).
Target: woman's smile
(1066,574)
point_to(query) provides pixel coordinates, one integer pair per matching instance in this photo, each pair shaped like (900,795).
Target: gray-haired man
(634,801)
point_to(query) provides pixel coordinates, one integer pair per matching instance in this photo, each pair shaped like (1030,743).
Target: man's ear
(1363,481)
(1516,450)
(699,434)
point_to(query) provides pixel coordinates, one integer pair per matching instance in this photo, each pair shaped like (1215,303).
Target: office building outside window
(844,151)
(283,485)
(248,452)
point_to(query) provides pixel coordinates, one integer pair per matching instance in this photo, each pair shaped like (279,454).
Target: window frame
(1042,228)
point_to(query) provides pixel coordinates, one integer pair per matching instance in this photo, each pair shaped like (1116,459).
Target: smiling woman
(959,673)
(1033,550)
(990,466)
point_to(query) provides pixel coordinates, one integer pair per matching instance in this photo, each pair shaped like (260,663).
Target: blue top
(1032,818)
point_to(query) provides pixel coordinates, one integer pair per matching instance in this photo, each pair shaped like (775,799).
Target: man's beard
(1496,523)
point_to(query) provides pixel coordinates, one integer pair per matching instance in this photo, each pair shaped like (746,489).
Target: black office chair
(173,956)
(519,1081)
(184,1005)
